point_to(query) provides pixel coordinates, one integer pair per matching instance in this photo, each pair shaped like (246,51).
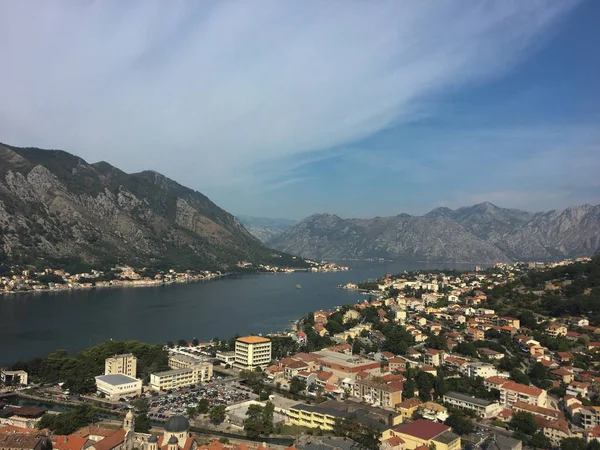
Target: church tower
(129,423)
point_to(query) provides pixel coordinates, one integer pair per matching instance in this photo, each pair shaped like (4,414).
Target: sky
(289,108)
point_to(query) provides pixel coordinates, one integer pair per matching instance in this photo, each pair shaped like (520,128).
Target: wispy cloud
(212,93)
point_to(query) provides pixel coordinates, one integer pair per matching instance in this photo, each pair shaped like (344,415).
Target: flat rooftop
(173,372)
(342,358)
(468,398)
(116,379)
(253,339)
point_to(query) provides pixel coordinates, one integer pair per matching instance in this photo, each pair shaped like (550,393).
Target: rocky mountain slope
(55,208)
(264,228)
(481,233)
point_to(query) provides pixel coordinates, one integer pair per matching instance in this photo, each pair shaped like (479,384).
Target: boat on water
(298,286)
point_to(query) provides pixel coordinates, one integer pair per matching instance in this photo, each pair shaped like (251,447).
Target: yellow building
(351,314)
(424,432)
(252,352)
(311,417)
(125,364)
(408,407)
(174,379)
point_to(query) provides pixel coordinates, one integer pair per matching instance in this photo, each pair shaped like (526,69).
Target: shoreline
(149,284)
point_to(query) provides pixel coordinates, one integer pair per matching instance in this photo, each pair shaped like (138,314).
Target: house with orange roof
(408,407)
(511,392)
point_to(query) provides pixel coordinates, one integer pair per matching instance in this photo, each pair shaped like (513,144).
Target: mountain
(482,233)
(55,208)
(265,228)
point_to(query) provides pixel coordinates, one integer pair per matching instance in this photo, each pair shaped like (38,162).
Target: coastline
(151,283)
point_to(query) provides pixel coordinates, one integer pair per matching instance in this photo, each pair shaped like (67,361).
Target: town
(16,279)
(505,357)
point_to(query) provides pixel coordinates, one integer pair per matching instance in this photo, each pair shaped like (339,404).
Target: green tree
(573,444)
(217,414)
(68,422)
(182,343)
(297,386)
(203,406)
(460,424)
(523,422)
(142,423)
(350,427)
(540,441)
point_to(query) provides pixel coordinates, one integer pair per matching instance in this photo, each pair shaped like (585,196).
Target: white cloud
(211,94)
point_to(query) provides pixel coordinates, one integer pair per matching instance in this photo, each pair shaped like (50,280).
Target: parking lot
(217,392)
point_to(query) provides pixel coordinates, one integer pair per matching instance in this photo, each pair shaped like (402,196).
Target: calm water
(38,323)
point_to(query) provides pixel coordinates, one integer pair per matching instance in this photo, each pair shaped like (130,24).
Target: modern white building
(115,386)
(476,369)
(252,352)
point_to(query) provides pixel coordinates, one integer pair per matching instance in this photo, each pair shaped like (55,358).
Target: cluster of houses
(378,379)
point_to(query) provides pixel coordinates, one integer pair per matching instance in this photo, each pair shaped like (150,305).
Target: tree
(519,377)
(203,406)
(350,427)
(182,343)
(259,420)
(540,441)
(523,422)
(195,342)
(170,344)
(297,386)
(460,424)
(217,414)
(68,422)
(142,423)
(573,444)
(409,388)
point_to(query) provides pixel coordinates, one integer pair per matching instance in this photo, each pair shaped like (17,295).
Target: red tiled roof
(68,442)
(422,429)
(111,441)
(522,388)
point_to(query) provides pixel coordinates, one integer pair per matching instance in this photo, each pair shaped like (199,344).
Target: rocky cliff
(482,233)
(57,208)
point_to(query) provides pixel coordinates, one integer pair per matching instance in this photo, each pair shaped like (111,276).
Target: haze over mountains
(56,208)
(482,233)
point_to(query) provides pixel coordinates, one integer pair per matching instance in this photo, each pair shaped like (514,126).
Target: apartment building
(433,357)
(483,408)
(379,394)
(483,370)
(252,352)
(185,362)
(125,364)
(511,392)
(177,378)
(555,330)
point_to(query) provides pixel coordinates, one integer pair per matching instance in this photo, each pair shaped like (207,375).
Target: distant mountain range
(57,209)
(482,233)
(264,228)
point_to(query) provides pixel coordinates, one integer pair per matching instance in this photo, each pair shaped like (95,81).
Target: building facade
(483,408)
(115,386)
(252,352)
(125,364)
(178,378)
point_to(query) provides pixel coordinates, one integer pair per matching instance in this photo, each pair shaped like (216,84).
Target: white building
(252,352)
(483,408)
(115,386)
(125,364)
(475,369)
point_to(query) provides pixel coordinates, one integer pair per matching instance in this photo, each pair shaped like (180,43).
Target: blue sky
(284,109)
